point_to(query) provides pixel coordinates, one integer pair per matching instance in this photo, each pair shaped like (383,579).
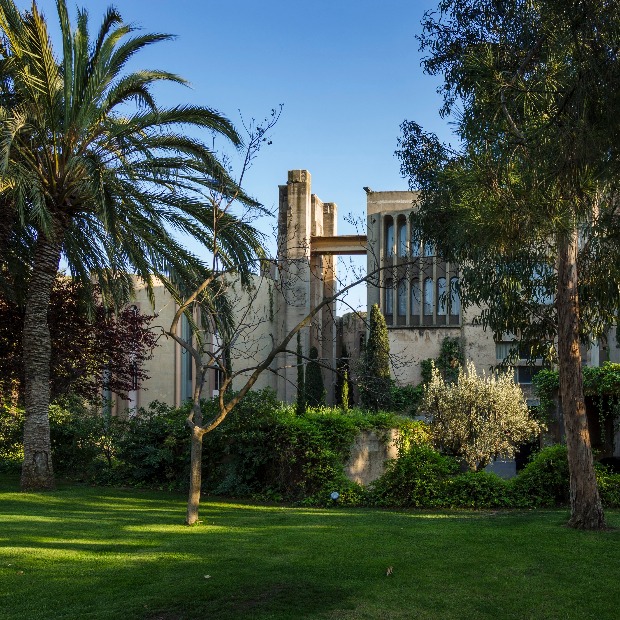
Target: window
(389,296)
(525,374)
(541,279)
(187,362)
(415,245)
(442,301)
(506,350)
(402,298)
(389,236)
(429,249)
(402,238)
(428,297)
(416,298)
(455,300)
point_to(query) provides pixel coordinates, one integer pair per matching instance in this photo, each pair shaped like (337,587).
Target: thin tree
(314,386)
(99,174)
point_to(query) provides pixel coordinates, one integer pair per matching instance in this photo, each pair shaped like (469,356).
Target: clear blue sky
(347,71)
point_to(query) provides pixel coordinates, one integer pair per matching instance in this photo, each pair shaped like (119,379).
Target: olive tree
(478,417)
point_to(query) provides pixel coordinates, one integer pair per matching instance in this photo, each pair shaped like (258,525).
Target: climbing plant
(602,382)
(450,359)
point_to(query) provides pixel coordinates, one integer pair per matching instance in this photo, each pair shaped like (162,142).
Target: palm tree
(97,173)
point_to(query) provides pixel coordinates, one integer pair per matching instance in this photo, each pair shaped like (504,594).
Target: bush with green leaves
(419,477)
(478,417)
(479,489)
(264,449)
(11,436)
(544,481)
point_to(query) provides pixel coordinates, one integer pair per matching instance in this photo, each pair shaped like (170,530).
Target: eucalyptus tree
(528,201)
(94,171)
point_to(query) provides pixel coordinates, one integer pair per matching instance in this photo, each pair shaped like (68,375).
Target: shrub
(479,490)
(544,481)
(11,434)
(609,488)
(418,478)
(153,448)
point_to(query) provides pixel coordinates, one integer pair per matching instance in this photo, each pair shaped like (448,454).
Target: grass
(111,554)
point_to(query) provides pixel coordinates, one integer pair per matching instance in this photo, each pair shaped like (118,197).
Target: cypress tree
(375,381)
(315,389)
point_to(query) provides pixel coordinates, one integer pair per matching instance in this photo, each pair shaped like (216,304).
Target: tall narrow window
(415,245)
(389,236)
(402,298)
(429,249)
(187,364)
(455,300)
(389,296)
(402,238)
(442,300)
(416,298)
(428,297)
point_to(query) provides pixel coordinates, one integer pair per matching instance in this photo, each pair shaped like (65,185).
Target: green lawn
(98,553)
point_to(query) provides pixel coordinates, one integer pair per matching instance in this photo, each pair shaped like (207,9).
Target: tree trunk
(195,476)
(586,507)
(37,471)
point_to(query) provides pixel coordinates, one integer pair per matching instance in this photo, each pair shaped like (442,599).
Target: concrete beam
(339,244)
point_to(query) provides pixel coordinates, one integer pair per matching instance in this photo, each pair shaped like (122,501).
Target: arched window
(402,237)
(416,298)
(428,297)
(402,298)
(455,300)
(389,236)
(429,249)
(389,296)
(442,300)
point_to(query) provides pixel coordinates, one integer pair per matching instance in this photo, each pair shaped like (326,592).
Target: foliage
(314,388)
(609,488)
(344,383)
(544,481)
(405,399)
(11,434)
(344,394)
(479,490)
(300,405)
(105,351)
(374,376)
(451,357)
(601,382)
(477,418)
(263,449)
(419,477)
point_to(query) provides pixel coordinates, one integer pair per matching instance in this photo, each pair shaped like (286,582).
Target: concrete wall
(369,454)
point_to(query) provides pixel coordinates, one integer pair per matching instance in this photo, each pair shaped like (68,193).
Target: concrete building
(416,290)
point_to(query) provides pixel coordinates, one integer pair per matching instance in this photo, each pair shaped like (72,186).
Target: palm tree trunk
(586,507)
(37,470)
